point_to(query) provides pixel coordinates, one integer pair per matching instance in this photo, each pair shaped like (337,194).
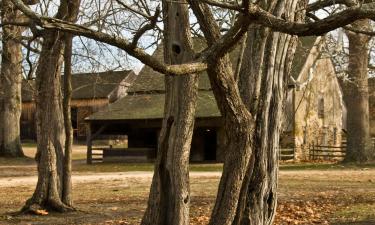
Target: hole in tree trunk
(186,199)
(176,48)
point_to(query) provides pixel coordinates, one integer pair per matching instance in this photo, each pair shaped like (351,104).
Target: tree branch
(122,43)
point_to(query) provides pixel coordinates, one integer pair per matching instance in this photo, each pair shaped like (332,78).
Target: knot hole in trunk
(176,48)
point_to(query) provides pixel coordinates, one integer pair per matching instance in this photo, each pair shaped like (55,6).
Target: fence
(286,154)
(327,152)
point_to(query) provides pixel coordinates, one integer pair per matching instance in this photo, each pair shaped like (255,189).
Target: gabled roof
(146,98)
(89,85)
(151,106)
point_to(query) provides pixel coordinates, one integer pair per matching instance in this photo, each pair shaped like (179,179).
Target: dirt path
(93,177)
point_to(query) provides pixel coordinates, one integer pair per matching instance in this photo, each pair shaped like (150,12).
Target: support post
(89,143)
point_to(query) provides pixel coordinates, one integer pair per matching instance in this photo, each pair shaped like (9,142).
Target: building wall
(84,108)
(318,109)
(372,105)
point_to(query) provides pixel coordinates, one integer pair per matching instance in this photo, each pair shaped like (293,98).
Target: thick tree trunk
(50,192)
(359,146)
(50,127)
(264,90)
(10,83)
(169,198)
(238,122)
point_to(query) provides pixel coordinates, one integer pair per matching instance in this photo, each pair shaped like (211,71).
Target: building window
(321,108)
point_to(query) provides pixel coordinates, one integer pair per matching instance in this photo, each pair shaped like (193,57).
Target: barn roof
(151,106)
(149,84)
(149,80)
(89,85)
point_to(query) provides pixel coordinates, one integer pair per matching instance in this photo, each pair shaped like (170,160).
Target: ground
(117,193)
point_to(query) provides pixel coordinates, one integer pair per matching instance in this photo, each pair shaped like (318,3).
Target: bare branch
(122,43)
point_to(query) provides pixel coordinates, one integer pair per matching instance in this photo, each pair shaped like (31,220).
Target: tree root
(36,208)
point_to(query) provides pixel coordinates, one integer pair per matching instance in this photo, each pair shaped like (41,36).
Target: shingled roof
(146,98)
(89,85)
(151,106)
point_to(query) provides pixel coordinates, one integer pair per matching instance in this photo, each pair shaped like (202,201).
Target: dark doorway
(210,144)
(73,117)
(203,145)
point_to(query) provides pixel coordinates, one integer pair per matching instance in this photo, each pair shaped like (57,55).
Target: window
(321,108)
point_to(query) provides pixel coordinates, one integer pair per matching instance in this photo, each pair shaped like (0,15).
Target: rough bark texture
(49,192)
(265,77)
(356,97)
(10,83)
(169,198)
(50,126)
(239,123)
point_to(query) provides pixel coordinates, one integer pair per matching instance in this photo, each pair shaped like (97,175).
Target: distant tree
(356,95)
(11,80)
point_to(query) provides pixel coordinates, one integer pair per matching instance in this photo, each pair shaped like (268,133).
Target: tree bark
(264,90)
(238,121)
(50,191)
(359,147)
(67,87)
(10,83)
(169,198)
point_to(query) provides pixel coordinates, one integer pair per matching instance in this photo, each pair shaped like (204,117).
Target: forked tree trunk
(50,191)
(238,122)
(257,204)
(50,127)
(356,97)
(169,198)
(10,83)
(247,191)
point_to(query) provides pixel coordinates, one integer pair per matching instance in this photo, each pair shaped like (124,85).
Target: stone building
(91,92)
(313,112)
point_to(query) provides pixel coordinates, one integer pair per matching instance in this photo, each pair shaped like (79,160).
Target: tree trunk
(50,191)
(67,87)
(356,97)
(50,127)
(264,90)
(68,52)
(238,122)
(10,83)
(169,198)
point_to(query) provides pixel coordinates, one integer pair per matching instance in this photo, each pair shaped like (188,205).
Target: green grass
(357,212)
(325,166)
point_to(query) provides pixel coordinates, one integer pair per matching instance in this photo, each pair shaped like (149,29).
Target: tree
(356,96)
(10,81)
(51,189)
(169,199)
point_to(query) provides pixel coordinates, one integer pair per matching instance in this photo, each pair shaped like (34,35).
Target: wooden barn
(91,92)
(139,115)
